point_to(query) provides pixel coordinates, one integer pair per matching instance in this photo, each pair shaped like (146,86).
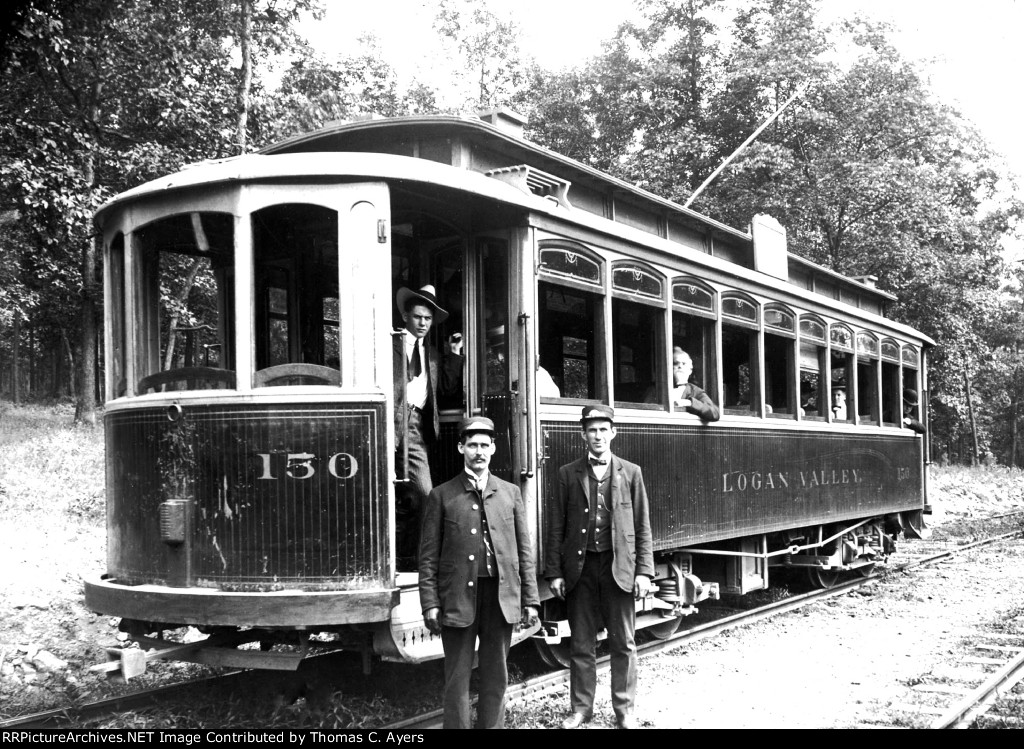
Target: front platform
(212,607)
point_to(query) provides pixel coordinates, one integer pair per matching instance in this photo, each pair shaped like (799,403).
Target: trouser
(596,597)
(409,496)
(459,643)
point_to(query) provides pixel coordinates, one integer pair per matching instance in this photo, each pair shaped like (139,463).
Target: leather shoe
(626,721)
(575,720)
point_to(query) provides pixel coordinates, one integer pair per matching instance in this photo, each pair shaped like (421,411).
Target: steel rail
(66,716)
(556,679)
(965,711)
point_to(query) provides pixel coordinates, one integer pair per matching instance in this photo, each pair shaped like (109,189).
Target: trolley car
(250,307)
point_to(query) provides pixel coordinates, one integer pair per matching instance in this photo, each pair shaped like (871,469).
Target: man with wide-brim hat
(425,295)
(599,559)
(419,376)
(475,528)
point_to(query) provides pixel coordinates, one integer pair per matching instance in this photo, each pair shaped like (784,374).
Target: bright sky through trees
(971,50)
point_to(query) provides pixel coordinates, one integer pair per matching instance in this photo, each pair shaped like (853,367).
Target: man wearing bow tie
(599,559)
(477,577)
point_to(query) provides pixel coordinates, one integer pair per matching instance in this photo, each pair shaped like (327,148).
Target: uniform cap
(592,413)
(476,424)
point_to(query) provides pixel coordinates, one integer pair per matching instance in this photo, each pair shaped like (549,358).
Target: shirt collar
(480,483)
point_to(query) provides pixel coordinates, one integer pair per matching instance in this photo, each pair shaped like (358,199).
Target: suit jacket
(568,519)
(917,426)
(442,375)
(446,544)
(700,403)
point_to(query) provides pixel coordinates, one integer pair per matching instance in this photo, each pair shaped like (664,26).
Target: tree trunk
(15,355)
(1014,405)
(71,361)
(970,413)
(85,405)
(172,335)
(1014,408)
(54,363)
(245,39)
(31,362)
(85,410)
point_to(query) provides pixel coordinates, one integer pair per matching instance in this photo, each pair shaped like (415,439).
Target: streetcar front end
(248,448)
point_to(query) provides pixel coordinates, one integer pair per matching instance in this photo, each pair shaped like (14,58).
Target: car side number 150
(301,465)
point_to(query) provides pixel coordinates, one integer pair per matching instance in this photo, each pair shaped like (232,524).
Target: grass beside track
(53,471)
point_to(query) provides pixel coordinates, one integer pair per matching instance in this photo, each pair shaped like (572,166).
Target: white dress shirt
(599,471)
(416,388)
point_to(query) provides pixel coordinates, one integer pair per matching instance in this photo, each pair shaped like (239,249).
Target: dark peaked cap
(594,413)
(475,424)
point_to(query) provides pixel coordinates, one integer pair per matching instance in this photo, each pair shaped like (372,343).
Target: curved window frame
(868,378)
(868,344)
(742,388)
(841,347)
(753,322)
(594,359)
(638,346)
(813,320)
(813,335)
(571,248)
(836,329)
(910,361)
(889,350)
(656,300)
(780,360)
(691,309)
(790,331)
(146,338)
(694,328)
(305,318)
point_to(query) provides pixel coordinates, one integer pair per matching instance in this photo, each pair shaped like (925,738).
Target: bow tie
(598,462)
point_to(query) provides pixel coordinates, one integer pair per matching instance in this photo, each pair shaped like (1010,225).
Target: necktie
(598,462)
(416,367)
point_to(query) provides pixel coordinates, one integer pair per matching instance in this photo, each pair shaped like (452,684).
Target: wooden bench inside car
(297,374)
(194,378)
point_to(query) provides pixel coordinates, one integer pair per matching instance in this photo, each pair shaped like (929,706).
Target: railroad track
(974,690)
(968,707)
(980,685)
(94,710)
(916,554)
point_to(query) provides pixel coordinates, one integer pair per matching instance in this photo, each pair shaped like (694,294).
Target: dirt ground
(845,663)
(837,664)
(848,662)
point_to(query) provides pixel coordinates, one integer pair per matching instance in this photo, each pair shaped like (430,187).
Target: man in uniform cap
(599,559)
(418,378)
(475,530)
